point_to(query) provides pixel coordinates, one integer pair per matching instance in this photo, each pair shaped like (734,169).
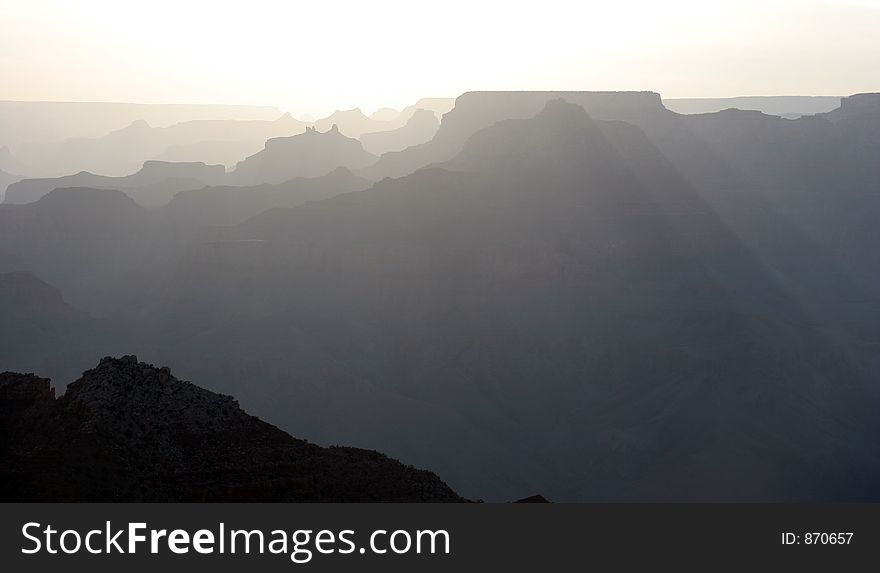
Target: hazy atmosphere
(446,252)
(313,57)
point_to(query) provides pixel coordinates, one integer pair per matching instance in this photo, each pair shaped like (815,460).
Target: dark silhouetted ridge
(532,499)
(129,431)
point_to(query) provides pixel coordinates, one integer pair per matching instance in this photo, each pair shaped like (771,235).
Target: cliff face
(129,431)
(156,171)
(860,114)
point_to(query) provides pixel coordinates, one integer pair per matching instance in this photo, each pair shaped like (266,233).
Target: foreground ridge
(129,431)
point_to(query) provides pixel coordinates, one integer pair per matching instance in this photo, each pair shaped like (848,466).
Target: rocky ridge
(130,431)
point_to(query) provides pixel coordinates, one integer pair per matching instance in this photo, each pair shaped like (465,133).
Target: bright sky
(319,55)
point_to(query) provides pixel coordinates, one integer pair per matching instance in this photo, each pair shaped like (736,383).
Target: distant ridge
(309,154)
(123,150)
(420,128)
(229,205)
(789,107)
(352,123)
(474,111)
(31,120)
(6,179)
(154,184)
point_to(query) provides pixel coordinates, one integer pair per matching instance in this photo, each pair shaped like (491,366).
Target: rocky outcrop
(130,431)
(24,388)
(309,154)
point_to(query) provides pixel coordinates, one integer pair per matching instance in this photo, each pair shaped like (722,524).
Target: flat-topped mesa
(733,113)
(475,110)
(155,170)
(861,103)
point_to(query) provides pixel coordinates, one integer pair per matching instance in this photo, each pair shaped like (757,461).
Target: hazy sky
(315,56)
